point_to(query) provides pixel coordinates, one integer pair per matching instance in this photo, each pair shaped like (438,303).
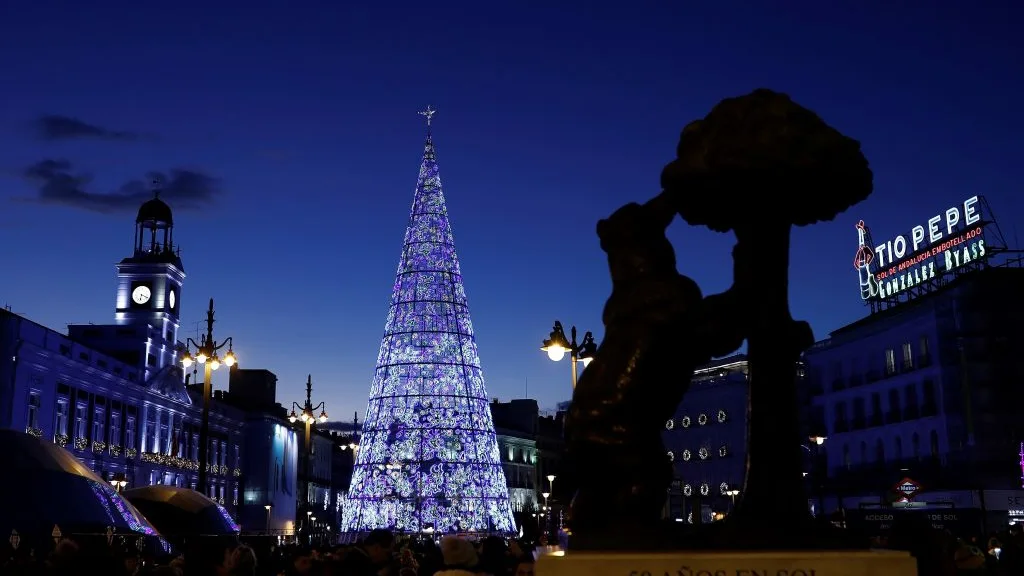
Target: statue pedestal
(739,563)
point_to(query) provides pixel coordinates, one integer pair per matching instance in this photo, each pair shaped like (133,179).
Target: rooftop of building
(1009,271)
(167,382)
(75,350)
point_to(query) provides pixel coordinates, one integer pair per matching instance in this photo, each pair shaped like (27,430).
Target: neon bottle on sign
(862,262)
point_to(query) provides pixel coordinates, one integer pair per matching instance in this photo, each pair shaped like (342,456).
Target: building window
(908,356)
(115,428)
(151,360)
(32,416)
(922,350)
(933,441)
(928,392)
(847,460)
(81,416)
(150,434)
(176,438)
(129,433)
(894,400)
(890,362)
(165,437)
(98,422)
(840,413)
(61,421)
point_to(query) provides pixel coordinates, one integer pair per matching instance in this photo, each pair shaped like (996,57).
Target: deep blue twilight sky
(552,114)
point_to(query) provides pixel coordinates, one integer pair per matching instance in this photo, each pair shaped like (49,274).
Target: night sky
(290,143)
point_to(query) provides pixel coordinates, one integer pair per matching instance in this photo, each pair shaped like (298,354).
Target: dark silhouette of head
(634,239)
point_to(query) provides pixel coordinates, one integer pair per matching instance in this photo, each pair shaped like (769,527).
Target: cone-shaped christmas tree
(428,459)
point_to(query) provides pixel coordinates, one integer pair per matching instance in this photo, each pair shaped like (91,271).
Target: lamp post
(732,493)
(119,482)
(268,507)
(206,354)
(307,415)
(819,472)
(557,345)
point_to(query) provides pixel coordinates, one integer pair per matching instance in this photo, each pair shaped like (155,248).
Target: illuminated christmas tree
(428,459)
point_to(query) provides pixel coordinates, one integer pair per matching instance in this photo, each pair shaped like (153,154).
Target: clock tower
(149,286)
(145,329)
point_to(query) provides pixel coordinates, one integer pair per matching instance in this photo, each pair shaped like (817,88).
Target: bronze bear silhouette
(658,329)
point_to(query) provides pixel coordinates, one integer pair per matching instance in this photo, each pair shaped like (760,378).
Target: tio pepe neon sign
(948,240)
(939,227)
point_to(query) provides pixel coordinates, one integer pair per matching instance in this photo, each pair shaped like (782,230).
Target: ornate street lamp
(206,354)
(307,413)
(557,346)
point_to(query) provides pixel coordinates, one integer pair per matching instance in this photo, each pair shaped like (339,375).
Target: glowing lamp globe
(556,352)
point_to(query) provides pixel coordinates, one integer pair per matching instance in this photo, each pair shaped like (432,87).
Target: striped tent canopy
(180,511)
(44,489)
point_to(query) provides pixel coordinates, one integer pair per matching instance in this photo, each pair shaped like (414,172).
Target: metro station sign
(907,489)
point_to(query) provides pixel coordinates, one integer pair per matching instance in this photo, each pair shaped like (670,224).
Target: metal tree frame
(428,460)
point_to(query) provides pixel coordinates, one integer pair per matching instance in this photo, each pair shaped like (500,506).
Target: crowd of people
(382,553)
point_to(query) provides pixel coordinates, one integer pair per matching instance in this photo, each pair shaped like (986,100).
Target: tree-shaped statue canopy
(757,165)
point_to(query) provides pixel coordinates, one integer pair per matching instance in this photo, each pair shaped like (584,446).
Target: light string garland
(428,459)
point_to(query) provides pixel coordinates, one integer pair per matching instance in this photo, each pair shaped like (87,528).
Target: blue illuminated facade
(929,389)
(706,438)
(115,395)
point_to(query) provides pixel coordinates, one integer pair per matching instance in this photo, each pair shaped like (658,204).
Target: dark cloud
(58,184)
(56,127)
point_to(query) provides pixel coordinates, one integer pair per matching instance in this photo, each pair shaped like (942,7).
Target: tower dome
(155,210)
(154,231)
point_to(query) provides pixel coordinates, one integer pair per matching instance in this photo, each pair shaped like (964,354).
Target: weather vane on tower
(429,114)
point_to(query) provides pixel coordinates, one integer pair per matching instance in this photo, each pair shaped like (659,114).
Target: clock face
(141,295)
(171,299)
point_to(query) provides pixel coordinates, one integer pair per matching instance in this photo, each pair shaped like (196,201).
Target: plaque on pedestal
(739,563)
